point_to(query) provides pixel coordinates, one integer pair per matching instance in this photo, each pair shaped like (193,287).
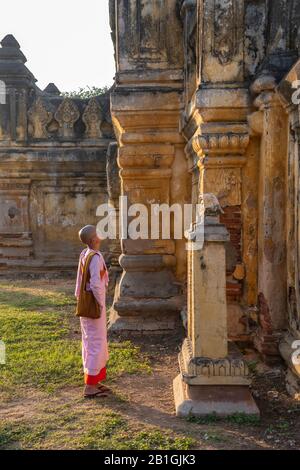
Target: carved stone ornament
(92,118)
(226,184)
(66,116)
(222,143)
(210,203)
(200,370)
(39,117)
(225,30)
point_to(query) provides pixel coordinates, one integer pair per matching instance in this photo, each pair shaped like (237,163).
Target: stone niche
(53,154)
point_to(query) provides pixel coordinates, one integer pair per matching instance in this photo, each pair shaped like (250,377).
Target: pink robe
(94,331)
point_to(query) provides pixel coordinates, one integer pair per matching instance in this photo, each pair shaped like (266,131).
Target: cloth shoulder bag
(87,305)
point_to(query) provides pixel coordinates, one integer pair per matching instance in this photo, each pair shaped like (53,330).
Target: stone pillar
(147,296)
(146,104)
(114,192)
(213,376)
(272,218)
(290,344)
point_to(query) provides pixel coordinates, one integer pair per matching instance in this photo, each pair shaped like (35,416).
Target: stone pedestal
(213,378)
(191,400)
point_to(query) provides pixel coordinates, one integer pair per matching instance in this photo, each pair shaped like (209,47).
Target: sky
(66,42)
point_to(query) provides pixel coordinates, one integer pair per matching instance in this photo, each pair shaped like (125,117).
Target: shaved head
(87,233)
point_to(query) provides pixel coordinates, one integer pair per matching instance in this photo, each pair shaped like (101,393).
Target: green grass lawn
(43,357)
(101,431)
(42,339)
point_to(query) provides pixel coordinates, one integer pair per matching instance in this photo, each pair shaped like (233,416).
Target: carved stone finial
(51,89)
(66,116)
(10,50)
(10,41)
(210,204)
(39,117)
(207,226)
(92,118)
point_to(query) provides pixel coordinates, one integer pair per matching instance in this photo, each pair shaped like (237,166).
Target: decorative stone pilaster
(147,297)
(213,377)
(272,217)
(290,344)
(218,158)
(114,192)
(146,104)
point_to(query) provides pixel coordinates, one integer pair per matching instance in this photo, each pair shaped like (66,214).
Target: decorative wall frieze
(202,370)
(221,143)
(66,116)
(92,118)
(221,139)
(155,160)
(40,115)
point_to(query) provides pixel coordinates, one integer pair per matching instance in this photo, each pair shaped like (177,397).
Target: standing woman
(91,285)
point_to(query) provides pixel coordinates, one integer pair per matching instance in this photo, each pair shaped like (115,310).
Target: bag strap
(86,271)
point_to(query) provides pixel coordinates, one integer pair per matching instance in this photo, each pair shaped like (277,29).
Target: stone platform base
(203,400)
(141,324)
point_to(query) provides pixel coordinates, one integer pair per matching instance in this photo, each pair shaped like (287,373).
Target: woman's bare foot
(91,391)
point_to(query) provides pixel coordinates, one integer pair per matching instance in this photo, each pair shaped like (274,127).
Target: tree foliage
(86,93)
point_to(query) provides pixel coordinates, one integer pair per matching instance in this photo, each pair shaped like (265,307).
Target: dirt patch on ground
(151,400)
(147,400)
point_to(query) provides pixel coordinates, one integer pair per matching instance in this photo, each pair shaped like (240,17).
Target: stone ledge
(156,324)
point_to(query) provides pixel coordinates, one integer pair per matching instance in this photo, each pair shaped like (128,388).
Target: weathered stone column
(147,296)
(114,192)
(272,218)
(213,378)
(290,343)
(146,105)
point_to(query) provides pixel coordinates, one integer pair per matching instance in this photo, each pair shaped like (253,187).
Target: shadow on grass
(27,298)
